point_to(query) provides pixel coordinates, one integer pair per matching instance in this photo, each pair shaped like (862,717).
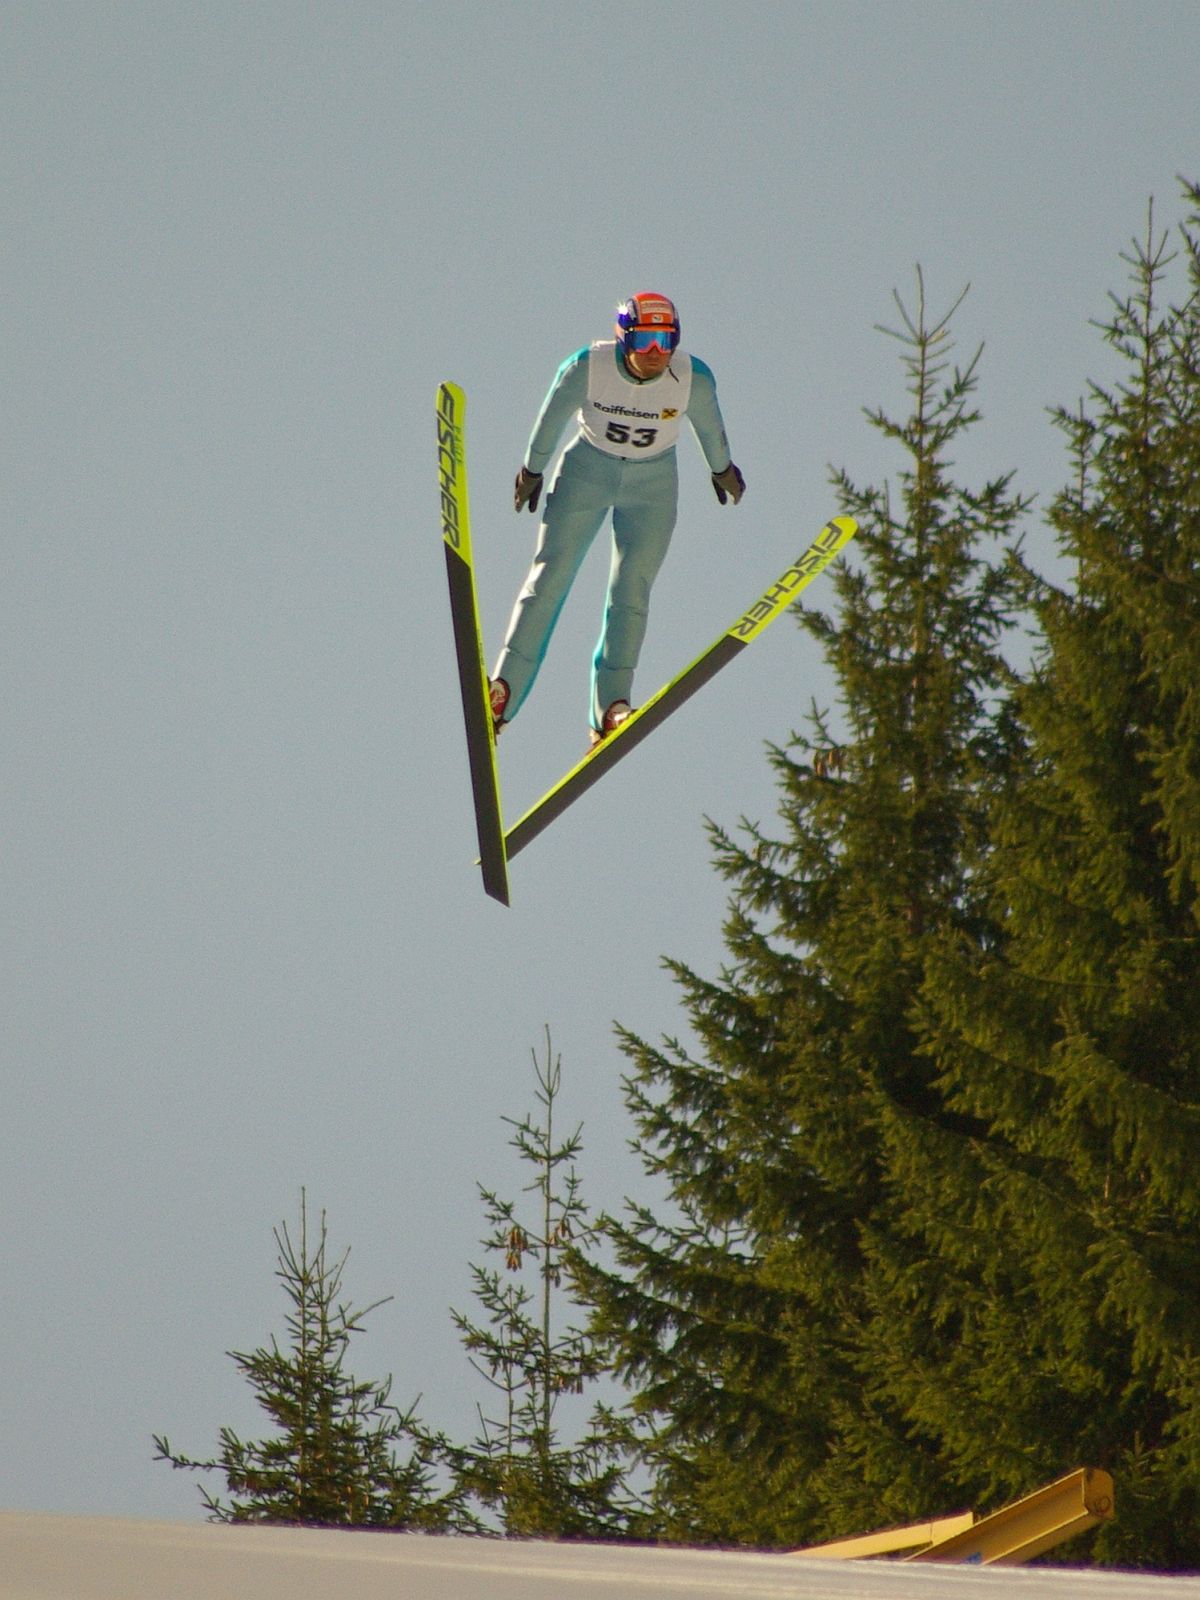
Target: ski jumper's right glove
(527,489)
(729,485)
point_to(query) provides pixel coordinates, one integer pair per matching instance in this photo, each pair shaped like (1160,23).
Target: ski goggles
(639,339)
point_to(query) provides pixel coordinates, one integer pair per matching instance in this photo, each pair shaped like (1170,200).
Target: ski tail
(833,537)
(468,640)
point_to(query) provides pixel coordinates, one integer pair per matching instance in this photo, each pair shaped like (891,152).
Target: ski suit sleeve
(704,414)
(567,394)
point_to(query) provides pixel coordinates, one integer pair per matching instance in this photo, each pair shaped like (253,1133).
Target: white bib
(633,420)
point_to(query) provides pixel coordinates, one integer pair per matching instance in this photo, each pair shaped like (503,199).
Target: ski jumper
(621,460)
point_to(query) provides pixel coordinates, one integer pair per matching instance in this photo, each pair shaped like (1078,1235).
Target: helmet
(645,311)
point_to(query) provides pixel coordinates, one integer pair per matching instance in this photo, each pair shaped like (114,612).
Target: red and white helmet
(644,319)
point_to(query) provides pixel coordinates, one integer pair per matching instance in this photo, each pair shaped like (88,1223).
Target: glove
(527,489)
(729,485)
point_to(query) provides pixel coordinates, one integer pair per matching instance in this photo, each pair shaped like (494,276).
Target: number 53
(620,433)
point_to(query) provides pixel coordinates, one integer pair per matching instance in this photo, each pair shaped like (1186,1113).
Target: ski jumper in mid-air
(628,397)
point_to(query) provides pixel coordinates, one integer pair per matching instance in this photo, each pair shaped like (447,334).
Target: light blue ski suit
(588,484)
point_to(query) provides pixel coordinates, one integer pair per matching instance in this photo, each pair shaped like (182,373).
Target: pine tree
(333,1457)
(519,1466)
(1074,1042)
(754,1327)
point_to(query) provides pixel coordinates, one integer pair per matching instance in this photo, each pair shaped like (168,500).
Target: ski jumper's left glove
(527,489)
(729,485)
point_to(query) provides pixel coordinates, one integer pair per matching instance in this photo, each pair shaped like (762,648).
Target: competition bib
(633,420)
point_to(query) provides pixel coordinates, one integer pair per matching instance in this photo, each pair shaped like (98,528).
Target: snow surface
(84,1558)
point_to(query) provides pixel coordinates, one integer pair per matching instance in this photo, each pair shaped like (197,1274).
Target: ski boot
(620,711)
(498,696)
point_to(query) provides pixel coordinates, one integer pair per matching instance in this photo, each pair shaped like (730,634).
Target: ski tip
(837,534)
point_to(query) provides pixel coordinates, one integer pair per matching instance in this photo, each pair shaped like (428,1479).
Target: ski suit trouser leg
(586,487)
(643,522)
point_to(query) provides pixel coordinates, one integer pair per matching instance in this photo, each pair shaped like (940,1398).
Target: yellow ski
(468,640)
(831,539)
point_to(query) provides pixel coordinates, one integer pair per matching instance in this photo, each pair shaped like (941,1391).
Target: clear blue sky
(245,945)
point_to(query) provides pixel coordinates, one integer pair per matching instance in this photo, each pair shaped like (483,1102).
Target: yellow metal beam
(1008,1537)
(891,1541)
(1031,1526)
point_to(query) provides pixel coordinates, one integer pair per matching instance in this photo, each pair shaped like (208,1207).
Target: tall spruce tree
(755,1329)
(1073,1230)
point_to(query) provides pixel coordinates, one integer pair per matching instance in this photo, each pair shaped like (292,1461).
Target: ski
(468,640)
(831,539)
